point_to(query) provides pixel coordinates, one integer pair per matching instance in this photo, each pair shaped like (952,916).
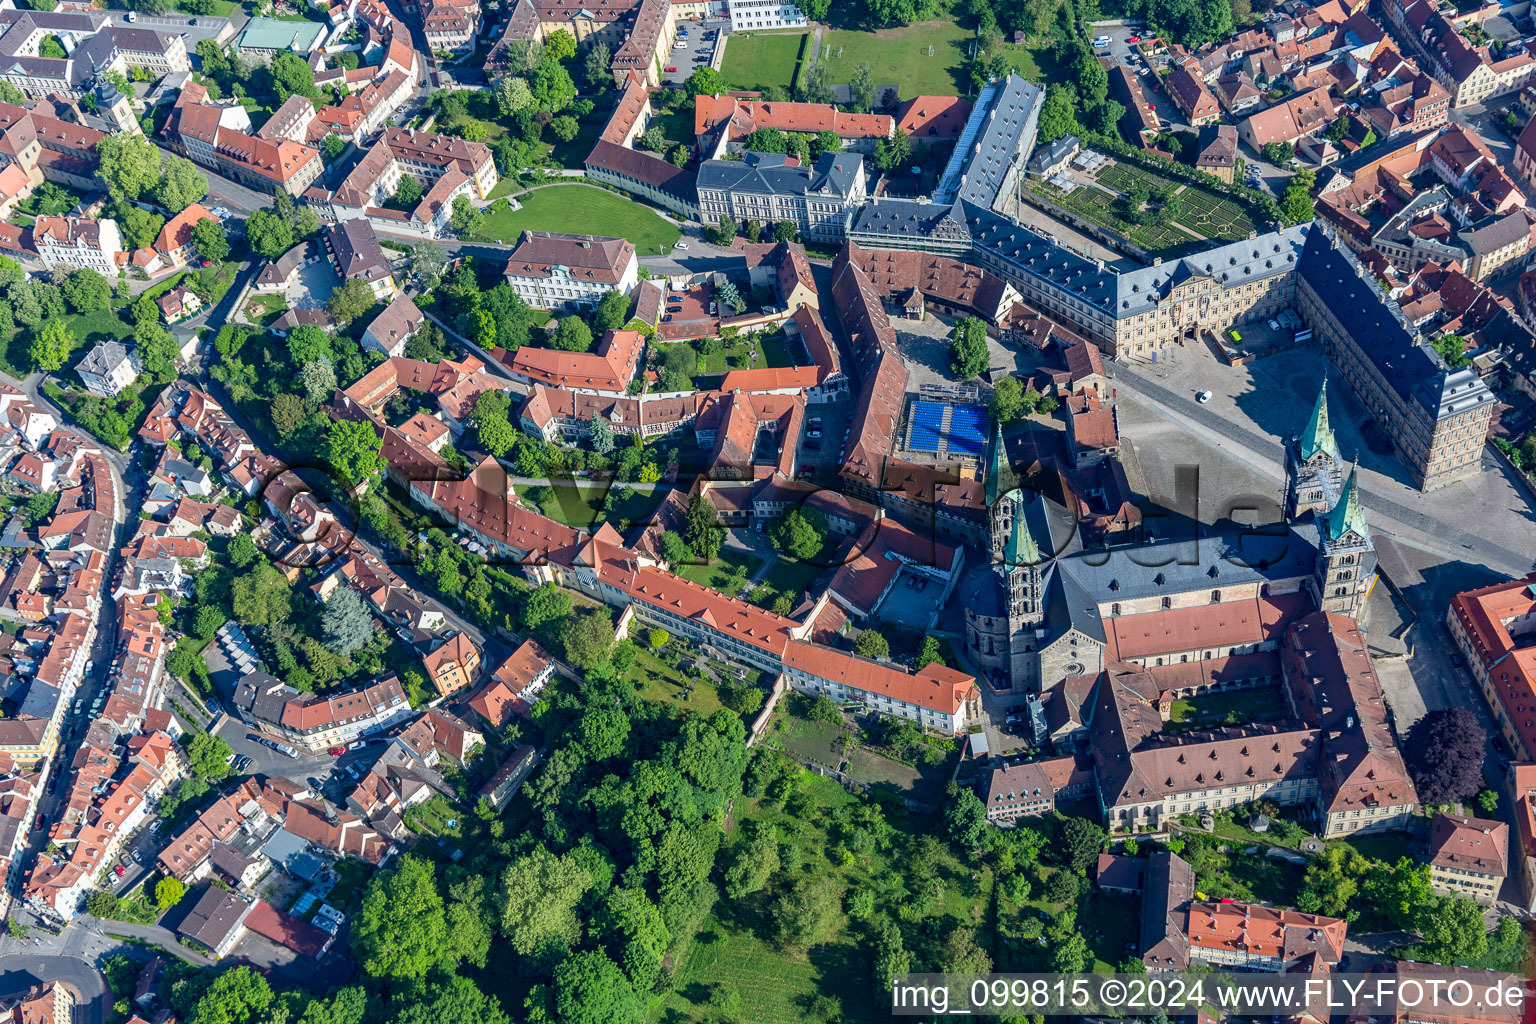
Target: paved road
(1271,452)
(20,971)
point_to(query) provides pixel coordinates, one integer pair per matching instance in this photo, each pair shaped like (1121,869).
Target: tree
(704,81)
(350,301)
(318,379)
(800,534)
(968,355)
(52,345)
(674,549)
(892,152)
(157,351)
(1007,402)
(1453,349)
(1072,955)
(168,892)
(210,239)
(612,311)
(929,654)
(754,862)
(1296,203)
(965,819)
(307,343)
(538,899)
(872,644)
(1444,751)
(407,192)
(261,597)
(352,449)
(598,66)
(564,128)
(601,433)
(512,95)
(401,931)
(729,296)
(588,638)
(591,989)
(724,232)
(346,622)
(292,76)
(785,231)
(572,335)
(207,754)
(269,235)
(814,87)
(138,227)
(551,86)
(545,606)
(808,913)
(962,954)
(560,45)
(456,1001)
(1278,153)
(180,185)
(240,996)
(85,290)
(1090,78)
(1453,931)
(701,528)
(242,551)
(332,146)
(861,88)
(129,164)
(892,958)
(1082,840)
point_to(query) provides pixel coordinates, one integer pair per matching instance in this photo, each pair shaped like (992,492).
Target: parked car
(337,751)
(1203,397)
(40,821)
(135,855)
(671,69)
(681,245)
(1133,40)
(119,869)
(154,827)
(315,784)
(667,319)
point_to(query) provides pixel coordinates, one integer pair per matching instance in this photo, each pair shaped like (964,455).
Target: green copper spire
(1347,516)
(1318,437)
(1021,548)
(1000,476)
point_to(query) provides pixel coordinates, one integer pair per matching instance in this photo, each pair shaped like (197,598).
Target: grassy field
(88,329)
(776,985)
(786,577)
(582,506)
(759,60)
(1235,707)
(901,57)
(658,681)
(1384,846)
(677,124)
(581,208)
(717,574)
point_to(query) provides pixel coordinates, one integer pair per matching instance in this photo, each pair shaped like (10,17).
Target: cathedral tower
(1346,557)
(1313,468)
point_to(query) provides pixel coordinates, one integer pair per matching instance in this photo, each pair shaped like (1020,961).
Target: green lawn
(1110,925)
(582,506)
(786,577)
(775,985)
(677,124)
(759,60)
(658,681)
(901,57)
(585,209)
(1384,846)
(572,154)
(1235,707)
(88,329)
(717,574)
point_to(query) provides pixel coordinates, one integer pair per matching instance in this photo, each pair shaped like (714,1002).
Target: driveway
(313,286)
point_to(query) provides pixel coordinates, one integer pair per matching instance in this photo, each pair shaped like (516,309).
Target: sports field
(760,60)
(582,209)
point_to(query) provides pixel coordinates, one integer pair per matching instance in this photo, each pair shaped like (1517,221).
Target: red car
(41,820)
(337,751)
(671,69)
(119,870)
(1133,40)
